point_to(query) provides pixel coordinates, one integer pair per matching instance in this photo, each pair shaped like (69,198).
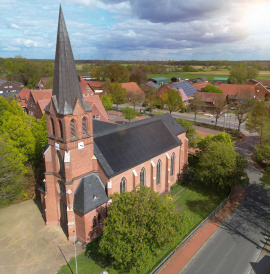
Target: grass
(209,74)
(194,200)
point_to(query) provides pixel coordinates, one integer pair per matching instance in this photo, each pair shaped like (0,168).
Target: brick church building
(88,160)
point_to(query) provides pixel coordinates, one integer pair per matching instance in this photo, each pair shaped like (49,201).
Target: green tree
(139,223)
(212,89)
(49,83)
(39,131)
(259,121)
(138,75)
(129,113)
(107,101)
(220,167)
(12,173)
(172,99)
(244,106)
(99,72)
(219,108)
(240,73)
(118,93)
(117,73)
(191,133)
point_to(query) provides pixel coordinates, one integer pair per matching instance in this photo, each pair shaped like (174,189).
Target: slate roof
(66,88)
(90,194)
(152,85)
(129,145)
(187,88)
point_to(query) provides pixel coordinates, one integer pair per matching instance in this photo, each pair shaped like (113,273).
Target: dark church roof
(66,88)
(127,146)
(90,194)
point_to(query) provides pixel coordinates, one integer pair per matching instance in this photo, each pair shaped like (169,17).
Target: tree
(117,73)
(219,107)
(99,72)
(12,173)
(138,75)
(244,106)
(191,133)
(139,223)
(172,99)
(118,93)
(39,131)
(107,101)
(195,104)
(241,72)
(49,83)
(259,120)
(220,167)
(212,89)
(134,98)
(129,113)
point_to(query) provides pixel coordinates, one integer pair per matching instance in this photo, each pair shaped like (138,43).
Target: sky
(138,29)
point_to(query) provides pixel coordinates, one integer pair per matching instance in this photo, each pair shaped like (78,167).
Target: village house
(208,102)
(42,82)
(262,87)
(88,160)
(10,86)
(35,96)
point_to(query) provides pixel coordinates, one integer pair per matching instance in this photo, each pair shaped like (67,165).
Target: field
(208,74)
(197,203)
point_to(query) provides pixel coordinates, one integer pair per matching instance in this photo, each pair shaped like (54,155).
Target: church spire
(66,87)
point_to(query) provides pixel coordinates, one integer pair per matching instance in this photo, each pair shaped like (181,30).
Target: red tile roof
(23,104)
(200,85)
(95,100)
(24,94)
(243,91)
(95,84)
(210,97)
(133,88)
(84,88)
(43,103)
(41,94)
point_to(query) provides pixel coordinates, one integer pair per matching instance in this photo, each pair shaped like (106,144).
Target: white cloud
(11,48)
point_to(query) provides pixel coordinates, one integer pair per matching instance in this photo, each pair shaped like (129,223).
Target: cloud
(14,26)
(11,48)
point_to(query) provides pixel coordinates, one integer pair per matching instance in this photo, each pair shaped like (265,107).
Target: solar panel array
(187,87)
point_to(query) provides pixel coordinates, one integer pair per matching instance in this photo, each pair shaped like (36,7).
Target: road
(228,119)
(235,247)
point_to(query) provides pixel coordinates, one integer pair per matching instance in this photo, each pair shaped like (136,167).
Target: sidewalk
(184,254)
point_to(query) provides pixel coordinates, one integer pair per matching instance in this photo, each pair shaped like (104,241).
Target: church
(87,160)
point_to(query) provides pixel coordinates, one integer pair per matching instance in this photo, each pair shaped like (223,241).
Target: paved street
(237,245)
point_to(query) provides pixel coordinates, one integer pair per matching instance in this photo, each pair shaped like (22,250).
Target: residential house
(210,101)
(87,160)
(10,86)
(36,95)
(86,89)
(42,82)
(200,85)
(262,87)
(98,110)
(238,92)
(132,89)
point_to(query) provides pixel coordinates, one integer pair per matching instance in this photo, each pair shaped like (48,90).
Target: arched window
(53,130)
(94,221)
(142,177)
(61,129)
(172,165)
(123,185)
(99,218)
(158,171)
(72,129)
(84,126)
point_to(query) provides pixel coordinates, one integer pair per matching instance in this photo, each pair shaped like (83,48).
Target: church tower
(70,153)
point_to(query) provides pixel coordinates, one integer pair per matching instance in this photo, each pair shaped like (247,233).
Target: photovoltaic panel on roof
(187,87)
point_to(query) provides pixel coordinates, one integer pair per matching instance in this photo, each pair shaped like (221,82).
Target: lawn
(193,200)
